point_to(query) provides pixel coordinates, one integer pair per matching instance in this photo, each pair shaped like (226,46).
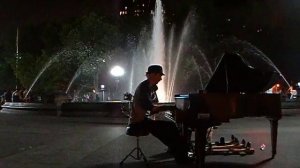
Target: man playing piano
(145,104)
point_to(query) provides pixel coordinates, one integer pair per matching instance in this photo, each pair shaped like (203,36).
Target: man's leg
(168,134)
(165,131)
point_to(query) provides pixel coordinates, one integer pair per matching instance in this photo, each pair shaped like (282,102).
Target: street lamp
(117,72)
(102,89)
(17,56)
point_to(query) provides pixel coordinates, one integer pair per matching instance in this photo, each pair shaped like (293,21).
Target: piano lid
(236,74)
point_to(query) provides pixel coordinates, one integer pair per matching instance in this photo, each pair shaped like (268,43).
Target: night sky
(275,31)
(271,26)
(37,11)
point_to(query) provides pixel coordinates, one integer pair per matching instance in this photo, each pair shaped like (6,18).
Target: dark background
(271,25)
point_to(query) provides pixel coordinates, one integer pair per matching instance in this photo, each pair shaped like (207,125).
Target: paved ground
(34,141)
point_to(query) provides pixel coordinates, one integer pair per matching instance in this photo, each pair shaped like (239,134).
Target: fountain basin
(28,106)
(116,109)
(290,103)
(105,109)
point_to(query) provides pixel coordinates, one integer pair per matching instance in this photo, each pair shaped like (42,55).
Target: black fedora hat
(155,69)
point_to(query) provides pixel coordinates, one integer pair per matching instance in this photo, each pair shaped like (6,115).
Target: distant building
(137,7)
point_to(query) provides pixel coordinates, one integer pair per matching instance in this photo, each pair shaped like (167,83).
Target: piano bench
(137,132)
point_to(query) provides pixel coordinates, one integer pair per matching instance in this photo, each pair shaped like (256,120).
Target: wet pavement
(35,141)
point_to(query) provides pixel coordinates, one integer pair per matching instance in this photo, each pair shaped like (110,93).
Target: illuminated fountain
(252,54)
(167,53)
(44,68)
(156,50)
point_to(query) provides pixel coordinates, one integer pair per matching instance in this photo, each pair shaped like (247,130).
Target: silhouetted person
(15,96)
(144,104)
(8,96)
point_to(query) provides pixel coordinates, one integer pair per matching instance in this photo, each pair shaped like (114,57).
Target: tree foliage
(80,44)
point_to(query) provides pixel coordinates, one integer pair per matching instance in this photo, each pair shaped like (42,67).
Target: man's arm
(155,110)
(162,107)
(142,98)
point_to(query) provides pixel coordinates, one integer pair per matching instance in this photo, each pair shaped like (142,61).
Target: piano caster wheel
(209,146)
(232,138)
(222,141)
(236,141)
(248,145)
(243,143)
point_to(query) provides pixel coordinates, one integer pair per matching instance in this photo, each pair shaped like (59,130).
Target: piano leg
(274,130)
(200,143)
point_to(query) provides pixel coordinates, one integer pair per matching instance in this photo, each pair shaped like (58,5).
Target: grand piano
(235,90)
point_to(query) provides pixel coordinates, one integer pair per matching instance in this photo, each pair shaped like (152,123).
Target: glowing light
(259,30)
(117,71)
(276,89)
(262,147)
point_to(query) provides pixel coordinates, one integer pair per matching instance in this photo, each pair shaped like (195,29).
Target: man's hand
(155,109)
(162,107)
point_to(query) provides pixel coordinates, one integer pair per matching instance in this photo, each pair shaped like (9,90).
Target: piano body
(235,90)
